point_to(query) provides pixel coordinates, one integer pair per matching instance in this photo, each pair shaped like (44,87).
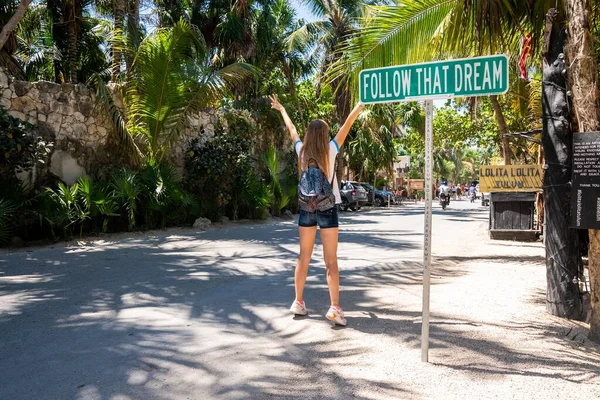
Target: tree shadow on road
(205,314)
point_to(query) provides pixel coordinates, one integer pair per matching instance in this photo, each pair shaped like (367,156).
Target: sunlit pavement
(203,315)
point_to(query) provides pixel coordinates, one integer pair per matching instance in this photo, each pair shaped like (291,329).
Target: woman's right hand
(275,104)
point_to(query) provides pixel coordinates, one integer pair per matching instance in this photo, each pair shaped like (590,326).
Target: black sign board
(585,194)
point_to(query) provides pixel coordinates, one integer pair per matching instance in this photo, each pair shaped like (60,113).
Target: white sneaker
(336,315)
(299,308)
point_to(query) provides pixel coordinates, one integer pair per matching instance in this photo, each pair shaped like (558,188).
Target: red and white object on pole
(525,52)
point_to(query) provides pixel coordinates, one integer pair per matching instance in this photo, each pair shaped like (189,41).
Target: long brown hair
(315,146)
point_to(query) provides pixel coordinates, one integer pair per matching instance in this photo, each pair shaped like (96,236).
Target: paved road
(202,315)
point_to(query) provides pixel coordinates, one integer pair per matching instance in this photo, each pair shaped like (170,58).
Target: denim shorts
(325,219)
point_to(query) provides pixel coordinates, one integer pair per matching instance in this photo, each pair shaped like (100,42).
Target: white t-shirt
(333,150)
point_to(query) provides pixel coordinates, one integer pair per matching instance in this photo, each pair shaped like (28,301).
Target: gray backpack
(314,190)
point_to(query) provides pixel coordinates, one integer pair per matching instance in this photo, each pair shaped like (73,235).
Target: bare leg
(307,243)
(329,237)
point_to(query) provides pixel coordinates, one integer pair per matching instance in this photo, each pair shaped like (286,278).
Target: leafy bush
(126,191)
(282,184)
(20,146)
(63,208)
(254,197)
(7,210)
(223,174)
(147,198)
(165,202)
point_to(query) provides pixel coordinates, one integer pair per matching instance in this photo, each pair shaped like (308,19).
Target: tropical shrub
(21,149)
(281,183)
(126,191)
(148,198)
(62,208)
(172,75)
(223,174)
(7,210)
(20,146)
(165,202)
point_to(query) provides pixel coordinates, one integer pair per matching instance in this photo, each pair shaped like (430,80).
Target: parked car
(393,198)
(381,197)
(354,196)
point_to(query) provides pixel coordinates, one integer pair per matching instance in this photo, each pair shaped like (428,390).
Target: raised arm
(341,136)
(276,105)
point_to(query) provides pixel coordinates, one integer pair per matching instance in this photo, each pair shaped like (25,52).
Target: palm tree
(275,24)
(68,14)
(118,28)
(171,76)
(372,147)
(16,14)
(36,52)
(71,26)
(42,47)
(338,21)
(11,14)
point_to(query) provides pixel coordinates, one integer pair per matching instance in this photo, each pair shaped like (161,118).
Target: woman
(318,147)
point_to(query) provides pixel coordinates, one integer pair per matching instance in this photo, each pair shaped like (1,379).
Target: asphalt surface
(203,315)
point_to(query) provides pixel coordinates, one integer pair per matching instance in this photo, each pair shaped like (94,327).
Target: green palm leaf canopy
(171,76)
(411,31)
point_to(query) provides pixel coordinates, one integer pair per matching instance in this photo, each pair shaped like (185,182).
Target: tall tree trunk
(133,19)
(74,14)
(583,73)
(562,244)
(13,22)
(501,129)
(119,14)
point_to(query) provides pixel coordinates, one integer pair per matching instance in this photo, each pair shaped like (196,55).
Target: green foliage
(217,170)
(282,187)
(254,197)
(43,41)
(20,146)
(171,76)
(371,145)
(150,197)
(126,190)
(7,210)
(63,209)
(166,203)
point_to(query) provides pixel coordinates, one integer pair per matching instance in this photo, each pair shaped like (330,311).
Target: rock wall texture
(82,131)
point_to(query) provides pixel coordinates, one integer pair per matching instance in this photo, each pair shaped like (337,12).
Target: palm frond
(105,99)
(308,35)
(7,210)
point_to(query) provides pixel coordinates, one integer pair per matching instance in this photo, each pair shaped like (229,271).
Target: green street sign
(479,76)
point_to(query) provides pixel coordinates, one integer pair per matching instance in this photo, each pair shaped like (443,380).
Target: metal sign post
(467,77)
(427,230)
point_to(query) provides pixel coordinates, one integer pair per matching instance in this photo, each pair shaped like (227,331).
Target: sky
(303,11)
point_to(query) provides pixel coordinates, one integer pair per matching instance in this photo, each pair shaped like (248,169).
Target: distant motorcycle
(444,200)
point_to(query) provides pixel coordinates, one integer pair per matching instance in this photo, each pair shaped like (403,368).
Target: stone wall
(82,131)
